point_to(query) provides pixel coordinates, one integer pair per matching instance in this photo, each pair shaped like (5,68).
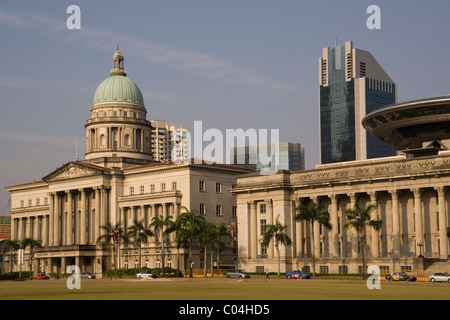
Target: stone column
(56,218)
(334,239)
(44,228)
(51,217)
(253,231)
(104,201)
(269,205)
(97,214)
(442,223)
(316,237)
(298,234)
(418,218)
(20,229)
(354,233)
(69,222)
(37,235)
(375,234)
(395,224)
(28,226)
(83,217)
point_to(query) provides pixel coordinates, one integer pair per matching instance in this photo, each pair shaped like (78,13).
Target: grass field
(221,289)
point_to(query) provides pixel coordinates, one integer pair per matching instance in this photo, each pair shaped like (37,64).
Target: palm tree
(313,213)
(189,226)
(205,239)
(140,234)
(220,232)
(111,237)
(158,223)
(276,232)
(11,246)
(33,244)
(358,218)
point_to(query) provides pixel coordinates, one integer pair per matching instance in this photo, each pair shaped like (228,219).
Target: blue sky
(232,64)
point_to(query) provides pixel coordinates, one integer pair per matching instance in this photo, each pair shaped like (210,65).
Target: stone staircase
(438,266)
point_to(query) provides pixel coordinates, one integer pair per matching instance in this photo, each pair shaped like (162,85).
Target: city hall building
(118,181)
(410,191)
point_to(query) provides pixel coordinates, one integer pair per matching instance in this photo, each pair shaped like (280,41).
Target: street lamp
(420,245)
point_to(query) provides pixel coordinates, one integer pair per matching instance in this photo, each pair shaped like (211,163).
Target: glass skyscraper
(352,84)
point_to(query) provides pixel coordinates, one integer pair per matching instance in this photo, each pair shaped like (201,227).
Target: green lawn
(220,289)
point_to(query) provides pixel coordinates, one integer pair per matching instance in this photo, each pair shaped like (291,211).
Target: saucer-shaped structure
(414,127)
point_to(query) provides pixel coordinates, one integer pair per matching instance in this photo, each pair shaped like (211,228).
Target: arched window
(102,140)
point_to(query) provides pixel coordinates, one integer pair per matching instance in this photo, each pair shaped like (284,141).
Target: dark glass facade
(337,112)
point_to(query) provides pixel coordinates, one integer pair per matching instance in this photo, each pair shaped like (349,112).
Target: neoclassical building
(410,191)
(117,182)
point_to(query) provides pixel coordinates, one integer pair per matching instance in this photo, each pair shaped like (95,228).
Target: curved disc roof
(409,124)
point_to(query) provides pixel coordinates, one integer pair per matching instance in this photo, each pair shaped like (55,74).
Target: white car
(439,277)
(145,274)
(86,275)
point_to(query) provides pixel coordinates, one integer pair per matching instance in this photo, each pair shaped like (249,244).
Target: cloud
(189,61)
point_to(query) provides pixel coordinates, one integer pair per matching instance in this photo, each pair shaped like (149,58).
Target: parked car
(400,276)
(87,275)
(236,273)
(145,274)
(439,277)
(41,276)
(296,274)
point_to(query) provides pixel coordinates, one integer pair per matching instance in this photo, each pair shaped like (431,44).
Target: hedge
(131,273)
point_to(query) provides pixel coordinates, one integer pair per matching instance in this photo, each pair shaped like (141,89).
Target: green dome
(118,88)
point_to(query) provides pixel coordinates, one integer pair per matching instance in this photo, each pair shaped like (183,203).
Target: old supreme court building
(117,182)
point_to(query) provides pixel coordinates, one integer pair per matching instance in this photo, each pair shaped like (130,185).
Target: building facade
(118,182)
(351,85)
(168,138)
(412,198)
(276,156)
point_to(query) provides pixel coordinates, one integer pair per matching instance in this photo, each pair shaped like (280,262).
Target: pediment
(74,170)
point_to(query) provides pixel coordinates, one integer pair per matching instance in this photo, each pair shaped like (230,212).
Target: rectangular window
(218,210)
(46,201)
(131,191)
(262,224)
(163,187)
(30,202)
(218,187)
(202,186)
(22,203)
(174,185)
(343,269)
(152,188)
(262,208)
(202,209)
(234,212)
(142,189)
(38,202)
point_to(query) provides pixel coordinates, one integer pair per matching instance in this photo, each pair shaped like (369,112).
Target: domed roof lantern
(118,67)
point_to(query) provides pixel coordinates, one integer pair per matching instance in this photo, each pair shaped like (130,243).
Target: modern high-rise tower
(352,84)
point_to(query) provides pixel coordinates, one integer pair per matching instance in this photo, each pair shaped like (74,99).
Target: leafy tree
(109,237)
(358,218)
(11,246)
(276,232)
(139,233)
(189,226)
(313,213)
(33,244)
(159,223)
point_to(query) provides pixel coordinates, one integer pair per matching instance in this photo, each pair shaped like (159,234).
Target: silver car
(439,277)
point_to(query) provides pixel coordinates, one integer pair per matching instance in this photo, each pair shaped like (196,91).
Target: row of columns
(69,221)
(115,139)
(70,224)
(334,234)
